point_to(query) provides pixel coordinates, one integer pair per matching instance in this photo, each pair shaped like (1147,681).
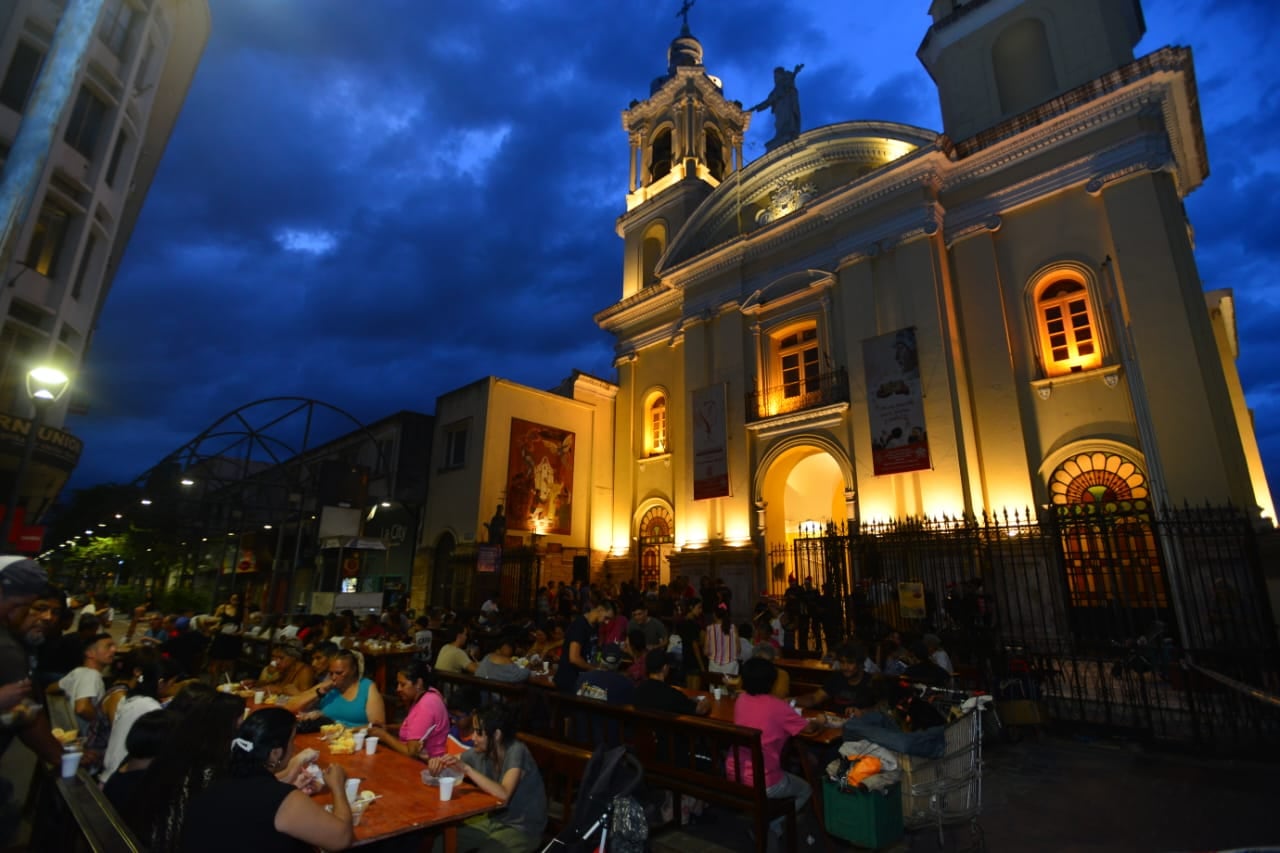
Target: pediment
(819,162)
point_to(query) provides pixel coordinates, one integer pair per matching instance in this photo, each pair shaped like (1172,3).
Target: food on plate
(332,730)
(65,736)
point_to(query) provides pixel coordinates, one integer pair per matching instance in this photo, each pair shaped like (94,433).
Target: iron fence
(1092,610)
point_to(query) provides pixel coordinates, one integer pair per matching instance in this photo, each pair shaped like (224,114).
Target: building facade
(133,80)
(875,321)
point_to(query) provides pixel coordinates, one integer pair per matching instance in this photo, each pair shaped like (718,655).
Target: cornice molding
(821,417)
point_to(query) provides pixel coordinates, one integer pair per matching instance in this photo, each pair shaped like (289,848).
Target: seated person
(502,767)
(269,813)
(286,675)
(655,694)
(607,683)
(453,656)
(146,738)
(848,687)
(921,667)
(499,665)
(547,644)
(782,685)
(371,629)
(464,703)
(425,730)
(778,723)
(345,696)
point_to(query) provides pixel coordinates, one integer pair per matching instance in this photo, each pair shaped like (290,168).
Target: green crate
(863,818)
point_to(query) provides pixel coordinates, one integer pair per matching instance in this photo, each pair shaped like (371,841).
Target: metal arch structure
(255,466)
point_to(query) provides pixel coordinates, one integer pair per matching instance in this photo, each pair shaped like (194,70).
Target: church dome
(684,50)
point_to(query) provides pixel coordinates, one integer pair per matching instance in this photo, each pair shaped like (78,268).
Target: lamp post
(45,386)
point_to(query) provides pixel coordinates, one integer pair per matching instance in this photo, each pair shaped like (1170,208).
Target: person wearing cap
(21,580)
(655,694)
(607,683)
(83,686)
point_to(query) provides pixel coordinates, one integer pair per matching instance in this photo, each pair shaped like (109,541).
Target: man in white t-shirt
(83,685)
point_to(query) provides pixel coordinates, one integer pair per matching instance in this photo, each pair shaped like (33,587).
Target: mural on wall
(895,405)
(540,478)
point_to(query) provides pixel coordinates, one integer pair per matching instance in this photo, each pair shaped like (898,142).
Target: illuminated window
(1067,327)
(798,362)
(1097,478)
(47,241)
(655,426)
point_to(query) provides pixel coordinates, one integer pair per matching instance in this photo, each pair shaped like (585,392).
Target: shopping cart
(947,791)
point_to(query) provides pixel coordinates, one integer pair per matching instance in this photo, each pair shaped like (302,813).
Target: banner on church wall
(895,404)
(710,443)
(540,478)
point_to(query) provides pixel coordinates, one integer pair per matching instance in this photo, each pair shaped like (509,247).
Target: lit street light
(45,386)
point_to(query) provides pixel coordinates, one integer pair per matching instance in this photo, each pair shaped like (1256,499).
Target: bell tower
(685,139)
(994,59)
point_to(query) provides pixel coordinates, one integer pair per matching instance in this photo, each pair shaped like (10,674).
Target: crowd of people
(173,753)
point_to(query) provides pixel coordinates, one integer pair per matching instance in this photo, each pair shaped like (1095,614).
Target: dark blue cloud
(373,203)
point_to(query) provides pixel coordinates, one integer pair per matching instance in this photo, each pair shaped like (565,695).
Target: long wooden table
(722,710)
(405,804)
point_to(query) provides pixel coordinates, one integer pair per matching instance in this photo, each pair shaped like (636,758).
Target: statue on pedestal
(785,103)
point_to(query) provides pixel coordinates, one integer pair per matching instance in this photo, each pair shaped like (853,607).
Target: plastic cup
(357,811)
(70,763)
(370,745)
(259,696)
(353,789)
(446,787)
(716,692)
(358,739)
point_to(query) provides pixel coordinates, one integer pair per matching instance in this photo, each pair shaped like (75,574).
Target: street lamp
(45,386)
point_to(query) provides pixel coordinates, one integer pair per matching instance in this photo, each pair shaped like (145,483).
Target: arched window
(661,154)
(798,364)
(656,435)
(1023,66)
(715,154)
(1068,328)
(652,247)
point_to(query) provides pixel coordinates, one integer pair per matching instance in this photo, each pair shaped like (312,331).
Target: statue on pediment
(784,100)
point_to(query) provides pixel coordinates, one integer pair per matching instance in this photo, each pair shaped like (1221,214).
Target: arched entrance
(655,537)
(804,488)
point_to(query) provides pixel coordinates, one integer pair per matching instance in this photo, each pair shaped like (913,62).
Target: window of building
(1023,66)
(86,123)
(455,446)
(47,241)
(20,79)
(652,247)
(660,163)
(114,25)
(117,151)
(715,154)
(1067,327)
(655,426)
(798,362)
(86,259)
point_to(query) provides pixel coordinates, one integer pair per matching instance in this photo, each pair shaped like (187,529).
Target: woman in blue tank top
(344,696)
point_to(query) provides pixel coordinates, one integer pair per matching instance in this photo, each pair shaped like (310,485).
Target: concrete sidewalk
(1058,794)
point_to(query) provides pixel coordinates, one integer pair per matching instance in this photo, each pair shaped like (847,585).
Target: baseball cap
(611,655)
(22,576)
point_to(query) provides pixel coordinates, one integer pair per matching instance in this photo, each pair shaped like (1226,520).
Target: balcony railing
(823,390)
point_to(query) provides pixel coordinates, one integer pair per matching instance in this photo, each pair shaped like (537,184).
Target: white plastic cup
(259,696)
(358,739)
(70,763)
(370,745)
(353,789)
(446,788)
(716,692)
(357,811)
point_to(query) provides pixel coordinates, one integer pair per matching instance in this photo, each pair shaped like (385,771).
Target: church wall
(454,500)
(1190,406)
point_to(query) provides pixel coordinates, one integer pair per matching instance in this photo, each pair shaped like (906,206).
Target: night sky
(372,203)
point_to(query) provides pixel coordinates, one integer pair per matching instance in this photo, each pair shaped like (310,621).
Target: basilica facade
(875,321)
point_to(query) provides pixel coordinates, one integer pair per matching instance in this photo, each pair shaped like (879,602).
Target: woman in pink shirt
(777,722)
(425,730)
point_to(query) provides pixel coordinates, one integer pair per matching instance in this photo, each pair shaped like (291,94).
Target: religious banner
(540,478)
(895,405)
(710,443)
(488,559)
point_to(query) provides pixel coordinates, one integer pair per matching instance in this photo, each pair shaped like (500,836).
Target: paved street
(1061,794)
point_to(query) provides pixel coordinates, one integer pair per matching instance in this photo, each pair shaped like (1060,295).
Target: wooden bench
(519,695)
(562,767)
(681,754)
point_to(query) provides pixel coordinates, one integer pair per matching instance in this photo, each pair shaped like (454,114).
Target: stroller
(606,818)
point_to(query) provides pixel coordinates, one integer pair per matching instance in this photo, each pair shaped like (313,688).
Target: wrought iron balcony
(825,389)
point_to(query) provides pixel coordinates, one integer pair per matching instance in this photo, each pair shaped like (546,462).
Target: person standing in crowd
(579,648)
(721,643)
(655,633)
(689,629)
(225,650)
(501,766)
(613,630)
